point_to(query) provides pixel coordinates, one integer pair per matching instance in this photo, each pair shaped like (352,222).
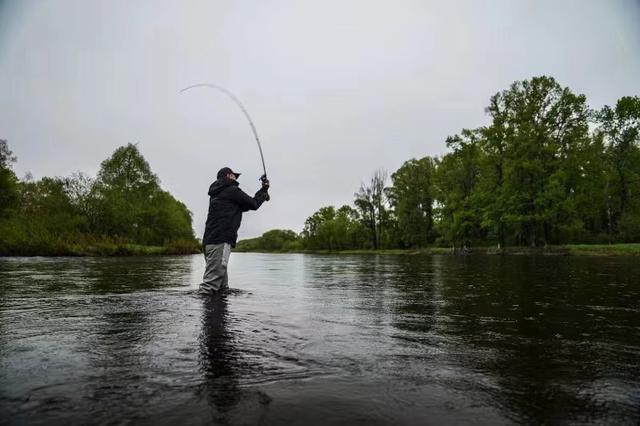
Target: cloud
(336,89)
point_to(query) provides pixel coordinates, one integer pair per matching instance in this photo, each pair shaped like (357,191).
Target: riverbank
(604,249)
(632,249)
(102,249)
(181,248)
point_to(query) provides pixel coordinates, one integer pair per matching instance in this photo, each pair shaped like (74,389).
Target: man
(227,202)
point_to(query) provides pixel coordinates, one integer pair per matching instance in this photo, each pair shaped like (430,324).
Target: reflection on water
(219,360)
(321,340)
(222,364)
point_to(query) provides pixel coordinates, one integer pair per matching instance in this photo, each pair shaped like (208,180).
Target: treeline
(274,240)
(123,210)
(548,169)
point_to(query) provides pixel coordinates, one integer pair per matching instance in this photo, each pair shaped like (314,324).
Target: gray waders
(215,273)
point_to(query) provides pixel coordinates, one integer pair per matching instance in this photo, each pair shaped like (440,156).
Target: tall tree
(371,202)
(316,233)
(331,229)
(493,143)
(411,197)
(130,203)
(123,190)
(46,205)
(9,193)
(620,127)
(547,128)
(457,176)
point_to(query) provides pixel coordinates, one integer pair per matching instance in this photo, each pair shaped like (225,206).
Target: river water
(311,339)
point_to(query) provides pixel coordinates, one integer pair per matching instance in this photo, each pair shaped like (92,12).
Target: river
(321,339)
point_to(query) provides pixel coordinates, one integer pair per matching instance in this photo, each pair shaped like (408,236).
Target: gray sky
(337,89)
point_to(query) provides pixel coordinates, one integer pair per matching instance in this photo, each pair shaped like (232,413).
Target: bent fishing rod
(235,99)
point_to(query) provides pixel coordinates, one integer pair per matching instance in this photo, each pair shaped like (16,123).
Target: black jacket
(226,204)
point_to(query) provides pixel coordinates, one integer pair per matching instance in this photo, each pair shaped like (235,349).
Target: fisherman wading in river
(227,202)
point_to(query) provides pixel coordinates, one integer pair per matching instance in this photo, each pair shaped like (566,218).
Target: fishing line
(244,110)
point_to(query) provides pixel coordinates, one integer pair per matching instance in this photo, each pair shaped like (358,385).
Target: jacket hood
(220,185)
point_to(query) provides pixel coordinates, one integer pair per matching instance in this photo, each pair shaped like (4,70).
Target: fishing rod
(235,99)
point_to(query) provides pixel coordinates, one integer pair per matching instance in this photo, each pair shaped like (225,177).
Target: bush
(629,228)
(276,240)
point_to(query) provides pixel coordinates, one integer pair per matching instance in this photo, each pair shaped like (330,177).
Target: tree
(129,203)
(46,205)
(165,220)
(349,227)
(316,232)
(274,240)
(371,202)
(456,178)
(127,170)
(620,128)
(277,239)
(493,144)
(411,198)
(124,204)
(9,193)
(331,229)
(538,132)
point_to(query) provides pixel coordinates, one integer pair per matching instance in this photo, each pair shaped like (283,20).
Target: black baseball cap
(223,172)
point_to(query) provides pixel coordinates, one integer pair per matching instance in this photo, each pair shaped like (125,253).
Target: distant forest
(548,169)
(123,210)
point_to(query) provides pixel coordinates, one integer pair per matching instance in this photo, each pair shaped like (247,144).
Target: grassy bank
(421,251)
(563,250)
(604,249)
(100,248)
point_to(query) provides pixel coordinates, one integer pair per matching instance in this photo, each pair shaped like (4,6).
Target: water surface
(309,339)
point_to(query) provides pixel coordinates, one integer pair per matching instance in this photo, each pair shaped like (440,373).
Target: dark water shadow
(222,364)
(527,335)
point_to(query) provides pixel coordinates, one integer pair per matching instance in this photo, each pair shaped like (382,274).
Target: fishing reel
(264,181)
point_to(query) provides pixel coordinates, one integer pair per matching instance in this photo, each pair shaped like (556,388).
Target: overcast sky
(337,89)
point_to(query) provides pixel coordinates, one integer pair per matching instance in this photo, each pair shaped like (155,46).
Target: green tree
(126,201)
(9,192)
(456,178)
(493,144)
(165,220)
(277,239)
(620,128)
(123,190)
(283,240)
(125,204)
(127,170)
(353,234)
(316,232)
(331,229)
(411,198)
(47,206)
(371,203)
(540,129)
